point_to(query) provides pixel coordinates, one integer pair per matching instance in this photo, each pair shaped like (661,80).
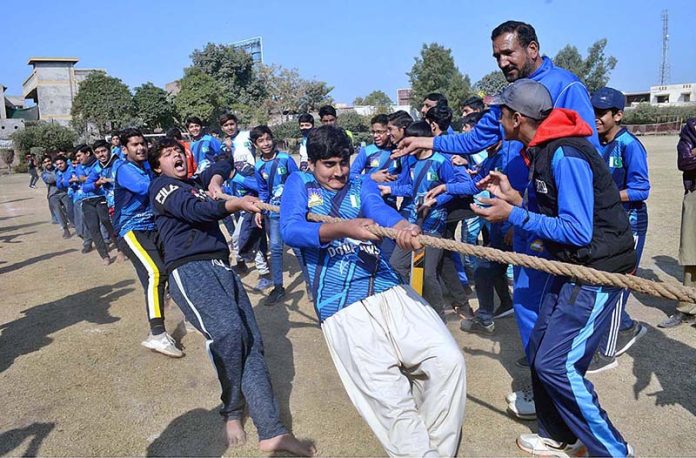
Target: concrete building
(12,117)
(664,96)
(52,86)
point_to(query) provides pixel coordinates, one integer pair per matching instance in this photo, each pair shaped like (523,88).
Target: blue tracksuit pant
(213,299)
(572,320)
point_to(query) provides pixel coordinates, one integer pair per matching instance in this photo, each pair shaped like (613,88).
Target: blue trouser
(621,320)
(212,298)
(471,228)
(490,278)
(276,244)
(572,320)
(80,225)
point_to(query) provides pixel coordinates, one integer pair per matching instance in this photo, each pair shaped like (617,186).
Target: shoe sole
(479,331)
(163,352)
(521,416)
(611,365)
(582,451)
(630,343)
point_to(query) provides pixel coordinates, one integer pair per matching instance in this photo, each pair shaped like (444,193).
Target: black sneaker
(503,311)
(601,363)
(677,319)
(277,293)
(522,362)
(241,267)
(66,234)
(477,326)
(627,338)
(86,249)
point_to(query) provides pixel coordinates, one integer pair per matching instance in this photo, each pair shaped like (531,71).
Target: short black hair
(525,32)
(441,115)
(128,133)
(305,117)
(436,97)
(154,153)
(400,119)
(326,142)
(194,120)
(327,110)
(475,102)
(418,129)
(175,133)
(83,148)
(101,143)
(60,157)
(379,119)
(114,133)
(472,118)
(258,132)
(46,156)
(226,116)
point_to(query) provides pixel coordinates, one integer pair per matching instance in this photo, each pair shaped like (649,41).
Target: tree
(47,135)
(288,93)
(314,95)
(490,84)
(234,70)
(200,95)
(374,98)
(153,106)
(435,71)
(103,101)
(594,71)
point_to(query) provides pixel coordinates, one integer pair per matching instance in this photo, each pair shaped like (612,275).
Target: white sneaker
(541,446)
(521,404)
(162,343)
(525,391)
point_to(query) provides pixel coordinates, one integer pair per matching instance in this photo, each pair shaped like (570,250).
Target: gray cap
(526,96)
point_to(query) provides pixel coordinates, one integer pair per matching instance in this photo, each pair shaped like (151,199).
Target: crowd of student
(546,170)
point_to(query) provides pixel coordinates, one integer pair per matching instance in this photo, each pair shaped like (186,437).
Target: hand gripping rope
(668,290)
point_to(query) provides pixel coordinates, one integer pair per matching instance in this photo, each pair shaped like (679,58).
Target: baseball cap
(526,96)
(605,98)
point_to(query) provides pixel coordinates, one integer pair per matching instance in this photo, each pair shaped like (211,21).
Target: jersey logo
(314,197)
(615,162)
(282,170)
(354,201)
(541,187)
(432,176)
(374,163)
(165,192)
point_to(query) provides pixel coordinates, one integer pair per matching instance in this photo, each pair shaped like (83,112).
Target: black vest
(612,245)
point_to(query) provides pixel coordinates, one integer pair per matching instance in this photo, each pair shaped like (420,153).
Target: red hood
(561,123)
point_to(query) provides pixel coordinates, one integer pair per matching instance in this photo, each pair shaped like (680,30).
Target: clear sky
(354,45)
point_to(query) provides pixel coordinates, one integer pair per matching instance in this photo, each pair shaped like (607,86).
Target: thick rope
(583,274)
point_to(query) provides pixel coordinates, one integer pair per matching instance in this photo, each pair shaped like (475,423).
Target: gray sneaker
(162,343)
(601,363)
(477,326)
(677,319)
(627,338)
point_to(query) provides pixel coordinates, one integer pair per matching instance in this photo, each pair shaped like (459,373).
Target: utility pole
(664,64)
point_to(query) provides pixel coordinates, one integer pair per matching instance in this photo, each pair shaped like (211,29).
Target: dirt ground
(76,382)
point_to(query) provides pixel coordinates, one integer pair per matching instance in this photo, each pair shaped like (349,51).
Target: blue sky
(356,46)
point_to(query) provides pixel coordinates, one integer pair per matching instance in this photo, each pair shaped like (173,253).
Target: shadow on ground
(10,440)
(199,432)
(27,262)
(671,362)
(31,332)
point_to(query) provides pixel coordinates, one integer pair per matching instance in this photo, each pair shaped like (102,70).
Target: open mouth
(179,165)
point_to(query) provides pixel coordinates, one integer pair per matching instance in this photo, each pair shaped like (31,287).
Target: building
(52,85)
(664,96)
(12,116)
(403,96)
(253,46)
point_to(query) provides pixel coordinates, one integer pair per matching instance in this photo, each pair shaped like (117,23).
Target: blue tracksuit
(204,150)
(370,159)
(343,271)
(628,164)
(132,209)
(107,171)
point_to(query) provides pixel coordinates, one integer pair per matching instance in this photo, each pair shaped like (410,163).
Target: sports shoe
(263,283)
(468,291)
(677,319)
(601,363)
(477,326)
(463,309)
(521,404)
(627,338)
(522,362)
(542,446)
(86,249)
(162,343)
(276,294)
(66,234)
(503,311)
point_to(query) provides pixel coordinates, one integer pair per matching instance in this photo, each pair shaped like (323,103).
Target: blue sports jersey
(343,271)
(417,178)
(628,164)
(107,171)
(204,151)
(132,209)
(369,160)
(271,176)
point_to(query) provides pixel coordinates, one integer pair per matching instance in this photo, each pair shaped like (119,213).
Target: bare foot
(236,437)
(288,443)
